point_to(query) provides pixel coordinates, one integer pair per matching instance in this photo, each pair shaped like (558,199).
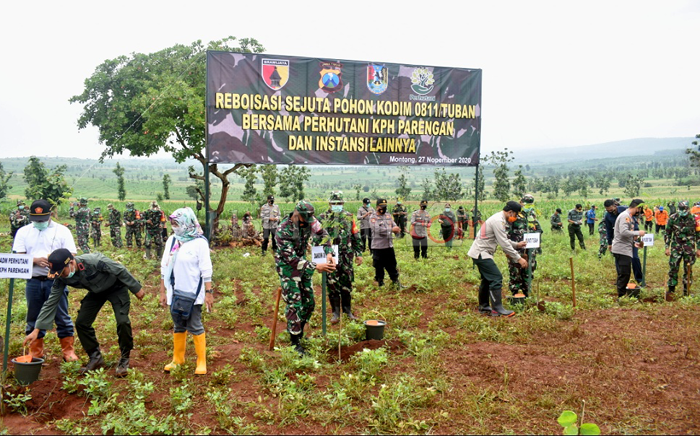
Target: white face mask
(71,273)
(337,208)
(41,225)
(179,231)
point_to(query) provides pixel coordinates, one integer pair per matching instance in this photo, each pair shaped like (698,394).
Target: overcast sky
(555,73)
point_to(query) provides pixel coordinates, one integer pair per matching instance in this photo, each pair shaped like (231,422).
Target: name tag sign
(16,266)
(648,240)
(533,240)
(318,256)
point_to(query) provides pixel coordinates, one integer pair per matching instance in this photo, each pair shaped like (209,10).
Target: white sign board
(16,266)
(648,240)
(318,256)
(532,239)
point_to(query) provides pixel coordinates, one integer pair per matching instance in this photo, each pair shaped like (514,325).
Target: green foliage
(519,183)
(501,186)
(4,178)
(447,187)
(568,420)
(269,175)
(181,398)
(45,183)
(166,186)
(17,402)
(250,194)
(370,362)
(292,180)
(633,185)
(403,191)
(121,189)
(427,190)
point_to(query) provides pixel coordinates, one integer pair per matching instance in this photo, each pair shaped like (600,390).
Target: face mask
(20,207)
(511,219)
(337,208)
(71,273)
(41,225)
(271,201)
(303,224)
(423,207)
(381,209)
(179,231)
(447,209)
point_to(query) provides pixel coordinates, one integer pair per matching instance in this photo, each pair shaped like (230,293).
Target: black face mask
(381,209)
(303,224)
(271,201)
(423,207)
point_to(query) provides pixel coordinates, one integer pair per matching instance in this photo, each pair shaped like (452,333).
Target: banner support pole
(8,321)
(475,222)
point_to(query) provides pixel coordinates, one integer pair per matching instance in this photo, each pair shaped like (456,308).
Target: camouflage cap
(97,210)
(109,206)
(683,205)
(528,199)
(306,210)
(129,205)
(20,202)
(154,204)
(336,197)
(83,200)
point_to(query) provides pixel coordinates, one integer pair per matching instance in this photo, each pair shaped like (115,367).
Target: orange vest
(648,214)
(661,217)
(695,210)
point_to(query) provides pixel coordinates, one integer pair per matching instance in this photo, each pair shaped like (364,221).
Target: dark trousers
(384,259)
(420,247)
(366,239)
(491,277)
(575,232)
(662,227)
(648,226)
(36,293)
(623,264)
(590,228)
(266,238)
(91,305)
(637,266)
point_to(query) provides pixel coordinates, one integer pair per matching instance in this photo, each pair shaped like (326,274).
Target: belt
(41,278)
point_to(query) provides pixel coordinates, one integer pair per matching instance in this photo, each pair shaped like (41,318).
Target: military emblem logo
(275,73)
(377,78)
(422,81)
(331,76)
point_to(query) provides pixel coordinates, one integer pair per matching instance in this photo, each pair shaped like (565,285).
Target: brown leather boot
(36,348)
(68,350)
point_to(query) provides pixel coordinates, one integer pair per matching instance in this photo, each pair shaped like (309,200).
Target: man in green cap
(115,226)
(105,280)
(295,271)
(341,228)
(82,225)
(399,213)
(96,226)
(132,219)
(18,218)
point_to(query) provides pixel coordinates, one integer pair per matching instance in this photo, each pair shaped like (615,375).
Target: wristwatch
(209,291)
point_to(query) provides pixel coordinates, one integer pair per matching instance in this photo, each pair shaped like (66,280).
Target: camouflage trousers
(115,232)
(674,263)
(83,234)
(603,246)
(518,277)
(155,236)
(298,295)
(340,281)
(96,234)
(135,233)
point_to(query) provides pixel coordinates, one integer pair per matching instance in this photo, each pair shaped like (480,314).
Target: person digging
(105,280)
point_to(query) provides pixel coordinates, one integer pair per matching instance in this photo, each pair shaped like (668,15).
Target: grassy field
(441,368)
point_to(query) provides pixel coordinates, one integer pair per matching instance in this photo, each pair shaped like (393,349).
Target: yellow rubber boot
(179,342)
(200,347)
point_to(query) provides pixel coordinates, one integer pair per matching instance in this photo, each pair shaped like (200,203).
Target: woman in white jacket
(186,267)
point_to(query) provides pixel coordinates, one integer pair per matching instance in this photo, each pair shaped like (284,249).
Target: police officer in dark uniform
(383,255)
(105,280)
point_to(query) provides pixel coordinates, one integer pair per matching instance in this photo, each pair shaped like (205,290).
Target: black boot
(397,284)
(484,306)
(497,308)
(335,306)
(296,343)
(123,366)
(347,305)
(96,361)
(670,295)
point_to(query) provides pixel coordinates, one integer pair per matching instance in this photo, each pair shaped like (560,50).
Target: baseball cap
(40,211)
(381,201)
(306,210)
(58,260)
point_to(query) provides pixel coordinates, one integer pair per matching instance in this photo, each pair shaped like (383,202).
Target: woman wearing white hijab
(186,267)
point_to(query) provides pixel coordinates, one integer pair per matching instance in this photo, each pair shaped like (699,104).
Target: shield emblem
(377,78)
(331,76)
(275,73)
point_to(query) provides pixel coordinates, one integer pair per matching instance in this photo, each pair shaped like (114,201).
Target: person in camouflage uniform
(295,271)
(153,218)
(462,221)
(399,212)
(18,218)
(82,225)
(447,221)
(525,222)
(115,226)
(682,241)
(132,220)
(343,232)
(575,219)
(71,210)
(96,226)
(555,221)
(603,232)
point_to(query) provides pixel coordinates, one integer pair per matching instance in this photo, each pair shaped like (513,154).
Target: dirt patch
(346,353)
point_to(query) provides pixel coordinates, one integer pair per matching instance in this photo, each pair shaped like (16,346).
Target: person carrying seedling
(492,234)
(520,278)
(682,241)
(344,233)
(105,280)
(295,272)
(623,245)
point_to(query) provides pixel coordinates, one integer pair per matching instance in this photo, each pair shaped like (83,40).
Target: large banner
(268,109)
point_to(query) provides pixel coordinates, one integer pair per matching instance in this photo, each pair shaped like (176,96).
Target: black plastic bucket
(27,372)
(374,329)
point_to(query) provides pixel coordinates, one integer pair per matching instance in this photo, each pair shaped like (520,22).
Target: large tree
(121,189)
(4,178)
(501,186)
(45,183)
(145,103)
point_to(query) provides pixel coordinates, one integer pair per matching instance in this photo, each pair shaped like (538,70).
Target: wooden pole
(573,280)
(273,334)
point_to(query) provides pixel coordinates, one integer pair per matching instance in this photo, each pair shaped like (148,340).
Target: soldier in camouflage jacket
(153,218)
(525,222)
(295,271)
(95,226)
(343,232)
(682,241)
(18,218)
(82,225)
(132,219)
(115,226)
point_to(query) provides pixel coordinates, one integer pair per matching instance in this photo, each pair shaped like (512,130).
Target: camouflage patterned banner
(268,109)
